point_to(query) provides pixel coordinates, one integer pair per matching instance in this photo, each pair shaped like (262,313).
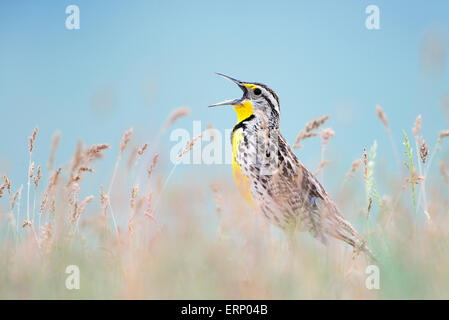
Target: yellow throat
(244,110)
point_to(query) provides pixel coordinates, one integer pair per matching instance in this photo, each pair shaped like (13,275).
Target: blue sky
(147,58)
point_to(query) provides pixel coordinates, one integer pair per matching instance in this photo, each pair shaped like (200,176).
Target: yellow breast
(242,181)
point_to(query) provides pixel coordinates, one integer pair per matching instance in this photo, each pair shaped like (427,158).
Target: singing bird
(271,177)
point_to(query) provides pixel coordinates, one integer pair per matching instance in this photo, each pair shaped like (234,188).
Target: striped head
(257,101)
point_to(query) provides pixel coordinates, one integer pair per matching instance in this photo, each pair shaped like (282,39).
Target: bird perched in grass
(272,179)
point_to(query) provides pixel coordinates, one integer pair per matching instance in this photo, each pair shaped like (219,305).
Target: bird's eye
(257,91)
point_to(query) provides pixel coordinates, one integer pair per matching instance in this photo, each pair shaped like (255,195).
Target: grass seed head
(84,203)
(423,151)
(32,139)
(140,152)
(326,135)
(15,197)
(125,140)
(26,223)
(104,199)
(175,115)
(417,127)
(354,166)
(321,166)
(31,170)
(77,157)
(382,116)
(132,156)
(54,146)
(444,134)
(149,210)
(134,193)
(309,132)
(152,165)
(189,145)
(95,152)
(370,204)
(142,149)
(6,185)
(316,123)
(37,177)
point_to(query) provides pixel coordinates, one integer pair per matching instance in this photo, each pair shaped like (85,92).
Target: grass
(411,168)
(148,237)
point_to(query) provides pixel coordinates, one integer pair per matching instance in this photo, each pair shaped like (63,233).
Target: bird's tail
(348,234)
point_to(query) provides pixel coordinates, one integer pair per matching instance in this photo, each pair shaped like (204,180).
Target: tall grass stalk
(383,118)
(125,140)
(411,168)
(188,147)
(369,160)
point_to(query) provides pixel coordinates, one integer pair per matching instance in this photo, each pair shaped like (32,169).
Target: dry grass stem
(152,165)
(32,139)
(354,166)
(303,135)
(444,134)
(140,152)
(218,200)
(321,166)
(37,177)
(125,140)
(132,157)
(54,146)
(84,203)
(134,193)
(417,127)
(382,116)
(148,210)
(189,145)
(15,197)
(444,172)
(365,164)
(6,185)
(316,123)
(326,135)
(53,181)
(309,132)
(416,178)
(95,152)
(218,197)
(77,158)
(104,199)
(174,116)
(31,170)
(370,204)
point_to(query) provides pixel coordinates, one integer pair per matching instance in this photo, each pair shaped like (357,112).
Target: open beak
(234,101)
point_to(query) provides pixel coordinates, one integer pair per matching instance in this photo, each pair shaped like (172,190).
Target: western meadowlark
(271,177)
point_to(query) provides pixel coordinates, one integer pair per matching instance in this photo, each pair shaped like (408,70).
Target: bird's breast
(240,175)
